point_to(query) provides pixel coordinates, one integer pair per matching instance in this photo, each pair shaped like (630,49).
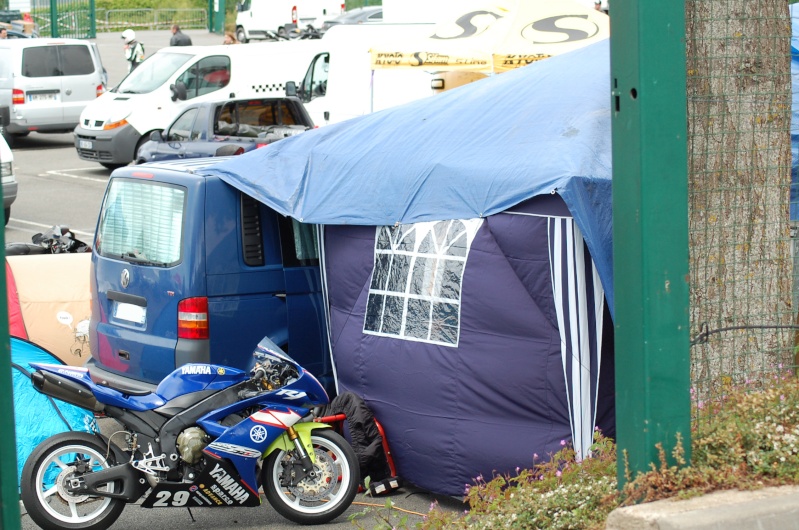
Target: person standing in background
(134,50)
(178,37)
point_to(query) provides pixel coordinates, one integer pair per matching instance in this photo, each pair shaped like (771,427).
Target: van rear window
(142,222)
(52,61)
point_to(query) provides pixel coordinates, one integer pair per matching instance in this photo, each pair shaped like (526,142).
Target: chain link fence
(742,279)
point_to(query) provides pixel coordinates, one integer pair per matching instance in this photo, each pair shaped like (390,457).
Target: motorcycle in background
(209,436)
(56,240)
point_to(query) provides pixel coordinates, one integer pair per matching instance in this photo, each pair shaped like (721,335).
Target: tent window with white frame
(415,291)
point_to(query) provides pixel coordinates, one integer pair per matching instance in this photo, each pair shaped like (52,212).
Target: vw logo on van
(125,278)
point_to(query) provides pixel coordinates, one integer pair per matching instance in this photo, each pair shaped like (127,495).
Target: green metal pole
(650,230)
(9,490)
(54,18)
(92,20)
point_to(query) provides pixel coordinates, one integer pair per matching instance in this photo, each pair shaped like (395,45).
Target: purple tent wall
(488,405)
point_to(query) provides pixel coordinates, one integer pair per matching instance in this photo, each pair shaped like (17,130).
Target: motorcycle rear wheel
(314,500)
(44,484)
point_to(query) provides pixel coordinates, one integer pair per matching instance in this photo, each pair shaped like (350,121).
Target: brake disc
(318,487)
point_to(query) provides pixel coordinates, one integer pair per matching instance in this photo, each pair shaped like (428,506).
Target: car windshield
(152,73)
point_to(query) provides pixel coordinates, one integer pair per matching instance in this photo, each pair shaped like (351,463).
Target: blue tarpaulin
(469,152)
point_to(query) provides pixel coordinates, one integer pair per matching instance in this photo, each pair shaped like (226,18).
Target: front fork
(305,459)
(298,438)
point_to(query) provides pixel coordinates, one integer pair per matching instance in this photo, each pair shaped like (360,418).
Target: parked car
(220,128)
(48,82)
(8,178)
(359,15)
(14,34)
(113,128)
(9,181)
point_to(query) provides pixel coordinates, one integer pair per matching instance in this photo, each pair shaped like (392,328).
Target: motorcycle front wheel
(47,474)
(319,499)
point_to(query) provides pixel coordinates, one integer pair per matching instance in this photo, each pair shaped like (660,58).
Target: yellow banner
(427,60)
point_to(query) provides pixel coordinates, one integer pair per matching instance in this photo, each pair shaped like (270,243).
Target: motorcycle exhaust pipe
(66,390)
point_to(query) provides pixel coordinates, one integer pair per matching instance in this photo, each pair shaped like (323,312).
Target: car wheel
(8,214)
(143,140)
(240,35)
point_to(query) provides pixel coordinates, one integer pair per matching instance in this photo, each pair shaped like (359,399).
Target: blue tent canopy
(470,152)
(38,416)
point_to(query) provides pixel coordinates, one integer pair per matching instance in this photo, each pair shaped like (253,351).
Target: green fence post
(54,18)
(92,20)
(9,490)
(650,230)
(216,16)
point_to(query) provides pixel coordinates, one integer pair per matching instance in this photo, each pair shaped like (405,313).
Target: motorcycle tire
(44,484)
(314,500)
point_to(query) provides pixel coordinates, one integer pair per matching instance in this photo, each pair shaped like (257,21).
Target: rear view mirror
(178,91)
(5,116)
(291,89)
(155,136)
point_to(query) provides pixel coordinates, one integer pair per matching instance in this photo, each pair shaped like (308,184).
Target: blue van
(187,269)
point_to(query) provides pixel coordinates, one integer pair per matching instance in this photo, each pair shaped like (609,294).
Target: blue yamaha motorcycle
(209,436)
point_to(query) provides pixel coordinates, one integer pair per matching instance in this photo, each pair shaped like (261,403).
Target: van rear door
(147,262)
(39,87)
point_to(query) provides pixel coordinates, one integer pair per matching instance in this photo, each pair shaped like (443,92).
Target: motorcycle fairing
(196,377)
(245,443)
(218,485)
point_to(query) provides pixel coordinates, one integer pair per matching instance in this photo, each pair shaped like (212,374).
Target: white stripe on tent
(572,298)
(599,313)
(320,245)
(555,258)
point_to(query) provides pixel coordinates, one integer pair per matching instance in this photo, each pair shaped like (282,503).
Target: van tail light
(343,8)
(193,318)
(99,90)
(17,97)
(294,15)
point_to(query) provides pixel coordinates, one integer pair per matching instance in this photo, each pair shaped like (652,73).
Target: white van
(113,127)
(47,82)
(8,178)
(340,83)
(260,19)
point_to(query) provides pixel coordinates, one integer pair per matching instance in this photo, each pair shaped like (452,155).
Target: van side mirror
(291,89)
(179,91)
(155,136)
(5,116)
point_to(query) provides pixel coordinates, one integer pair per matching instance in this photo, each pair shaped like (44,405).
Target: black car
(14,34)
(359,15)
(222,128)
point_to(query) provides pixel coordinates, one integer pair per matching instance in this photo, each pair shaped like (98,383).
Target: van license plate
(129,312)
(84,144)
(43,97)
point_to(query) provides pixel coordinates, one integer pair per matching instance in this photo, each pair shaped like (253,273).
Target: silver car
(47,83)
